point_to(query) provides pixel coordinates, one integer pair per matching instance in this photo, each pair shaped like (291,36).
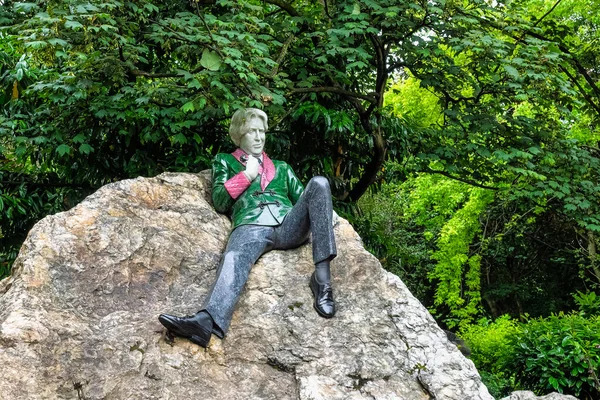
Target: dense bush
(588,303)
(558,353)
(491,351)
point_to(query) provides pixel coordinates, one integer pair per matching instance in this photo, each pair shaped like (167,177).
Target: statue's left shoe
(323,294)
(197,328)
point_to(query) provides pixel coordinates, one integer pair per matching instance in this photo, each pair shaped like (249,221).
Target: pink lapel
(238,154)
(268,171)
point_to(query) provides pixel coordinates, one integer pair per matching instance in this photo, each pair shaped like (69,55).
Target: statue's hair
(242,117)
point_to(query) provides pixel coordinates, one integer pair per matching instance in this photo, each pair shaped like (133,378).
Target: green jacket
(264,201)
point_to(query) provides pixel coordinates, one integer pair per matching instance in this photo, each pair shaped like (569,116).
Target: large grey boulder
(78,316)
(528,395)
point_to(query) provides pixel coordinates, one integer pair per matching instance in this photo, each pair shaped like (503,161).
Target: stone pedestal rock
(78,316)
(528,395)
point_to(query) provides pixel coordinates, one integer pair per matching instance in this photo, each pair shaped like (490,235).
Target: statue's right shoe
(197,328)
(323,294)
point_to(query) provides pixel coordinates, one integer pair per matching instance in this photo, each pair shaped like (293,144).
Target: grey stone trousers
(311,214)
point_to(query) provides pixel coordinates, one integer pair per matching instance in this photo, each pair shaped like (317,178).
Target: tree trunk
(370,174)
(379,148)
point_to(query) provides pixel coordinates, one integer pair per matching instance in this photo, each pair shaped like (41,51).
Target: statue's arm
(294,185)
(226,189)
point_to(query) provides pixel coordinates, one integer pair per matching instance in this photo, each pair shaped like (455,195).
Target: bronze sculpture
(269,210)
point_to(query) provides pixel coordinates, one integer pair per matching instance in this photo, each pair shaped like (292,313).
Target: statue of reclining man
(269,210)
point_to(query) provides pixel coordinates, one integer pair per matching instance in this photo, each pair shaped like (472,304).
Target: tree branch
(284,6)
(467,181)
(585,95)
(380,58)
(371,170)
(337,90)
(282,54)
(327,9)
(218,50)
(272,127)
(573,60)
(137,72)
(395,66)
(547,13)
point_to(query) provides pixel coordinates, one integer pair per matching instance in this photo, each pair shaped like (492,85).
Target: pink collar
(268,172)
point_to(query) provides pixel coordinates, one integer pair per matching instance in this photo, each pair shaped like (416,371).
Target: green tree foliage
(174,66)
(109,90)
(533,258)
(458,272)
(450,212)
(396,238)
(571,26)
(423,230)
(408,100)
(532,255)
(543,159)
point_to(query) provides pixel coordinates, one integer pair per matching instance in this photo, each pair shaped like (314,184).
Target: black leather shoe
(197,328)
(323,295)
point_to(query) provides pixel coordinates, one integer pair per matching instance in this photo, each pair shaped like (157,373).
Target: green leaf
(189,106)
(179,138)
(74,25)
(512,71)
(85,148)
(24,7)
(108,28)
(101,113)
(36,44)
(194,84)
(151,7)
(210,60)
(63,149)
(58,42)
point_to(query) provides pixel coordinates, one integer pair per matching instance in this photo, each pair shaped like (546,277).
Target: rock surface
(527,395)
(78,317)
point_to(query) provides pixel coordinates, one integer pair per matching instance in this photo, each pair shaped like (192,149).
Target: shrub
(491,350)
(588,303)
(558,353)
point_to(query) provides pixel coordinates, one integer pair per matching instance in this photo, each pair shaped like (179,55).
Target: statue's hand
(251,168)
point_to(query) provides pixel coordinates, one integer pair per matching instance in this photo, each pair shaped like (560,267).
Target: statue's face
(253,139)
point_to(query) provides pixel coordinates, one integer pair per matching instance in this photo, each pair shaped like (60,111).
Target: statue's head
(248,128)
